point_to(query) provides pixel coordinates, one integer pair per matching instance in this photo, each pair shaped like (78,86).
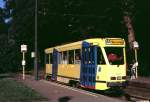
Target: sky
(1,6)
(1,3)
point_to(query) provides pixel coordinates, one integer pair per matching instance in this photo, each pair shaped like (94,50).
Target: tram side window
(60,60)
(91,55)
(77,56)
(65,57)
(100,57)
(71,57)
(86,55)
(47,58)
(51,58)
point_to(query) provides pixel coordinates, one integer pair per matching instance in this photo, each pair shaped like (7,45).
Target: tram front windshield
(115,55)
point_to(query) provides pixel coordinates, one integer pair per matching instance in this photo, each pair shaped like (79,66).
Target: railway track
(139,98)
(137,92)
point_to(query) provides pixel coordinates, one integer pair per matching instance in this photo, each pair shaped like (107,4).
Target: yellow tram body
(106,75)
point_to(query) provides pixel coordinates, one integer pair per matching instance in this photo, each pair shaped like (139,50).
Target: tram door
(55,64)
(88,65)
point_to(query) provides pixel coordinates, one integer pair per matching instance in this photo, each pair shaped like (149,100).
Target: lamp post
(35,45)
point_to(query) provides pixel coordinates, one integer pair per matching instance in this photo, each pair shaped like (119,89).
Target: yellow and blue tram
(97,63)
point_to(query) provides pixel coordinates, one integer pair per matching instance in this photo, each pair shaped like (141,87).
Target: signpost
(32,54)
(35,44)
(23,50)
(135,47)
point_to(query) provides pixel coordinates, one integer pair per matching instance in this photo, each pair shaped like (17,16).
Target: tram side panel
(48,71)
(102,76)
(68,72)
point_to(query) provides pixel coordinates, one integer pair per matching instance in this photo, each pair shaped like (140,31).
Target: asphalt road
(61,93)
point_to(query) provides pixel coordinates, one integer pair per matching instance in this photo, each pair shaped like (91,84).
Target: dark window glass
(100,57)
(65,57)
(86,55)
(77,56)
(71,57)
(115,55)
(47,58)
(91,54)
(51,58)
(60,58)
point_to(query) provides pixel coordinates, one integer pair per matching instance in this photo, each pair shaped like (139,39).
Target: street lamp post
(35,45)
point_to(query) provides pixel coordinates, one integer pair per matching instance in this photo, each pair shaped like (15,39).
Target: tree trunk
(129,26)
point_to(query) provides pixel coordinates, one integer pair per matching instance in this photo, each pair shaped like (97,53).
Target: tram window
(51,58)
(91,55)
(115,55)
(65,57)
(86,55)
(77,56)
(71,57)
(47,58)
(100,57)
(60,58)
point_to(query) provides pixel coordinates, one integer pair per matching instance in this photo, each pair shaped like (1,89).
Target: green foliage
(76,19)
(65,21)
(21,30)
(12,91)
(3,26)
(3,42)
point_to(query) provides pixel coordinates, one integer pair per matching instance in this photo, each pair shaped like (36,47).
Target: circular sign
(23,62)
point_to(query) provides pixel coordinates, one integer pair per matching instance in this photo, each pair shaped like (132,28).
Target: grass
(12,91)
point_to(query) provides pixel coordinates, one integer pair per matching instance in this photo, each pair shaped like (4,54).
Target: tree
(3,41)
(3,26)
(69,20)
(18,31)
(128,7)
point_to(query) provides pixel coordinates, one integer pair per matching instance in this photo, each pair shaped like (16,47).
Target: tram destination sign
(114,41)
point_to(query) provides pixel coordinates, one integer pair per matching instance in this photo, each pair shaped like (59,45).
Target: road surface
(61,93)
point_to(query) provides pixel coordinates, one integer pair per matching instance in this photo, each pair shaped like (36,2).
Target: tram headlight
(118,77)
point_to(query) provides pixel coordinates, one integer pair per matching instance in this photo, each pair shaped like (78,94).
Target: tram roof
(75,45)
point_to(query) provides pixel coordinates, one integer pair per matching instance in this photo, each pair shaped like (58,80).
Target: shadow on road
(65,99)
